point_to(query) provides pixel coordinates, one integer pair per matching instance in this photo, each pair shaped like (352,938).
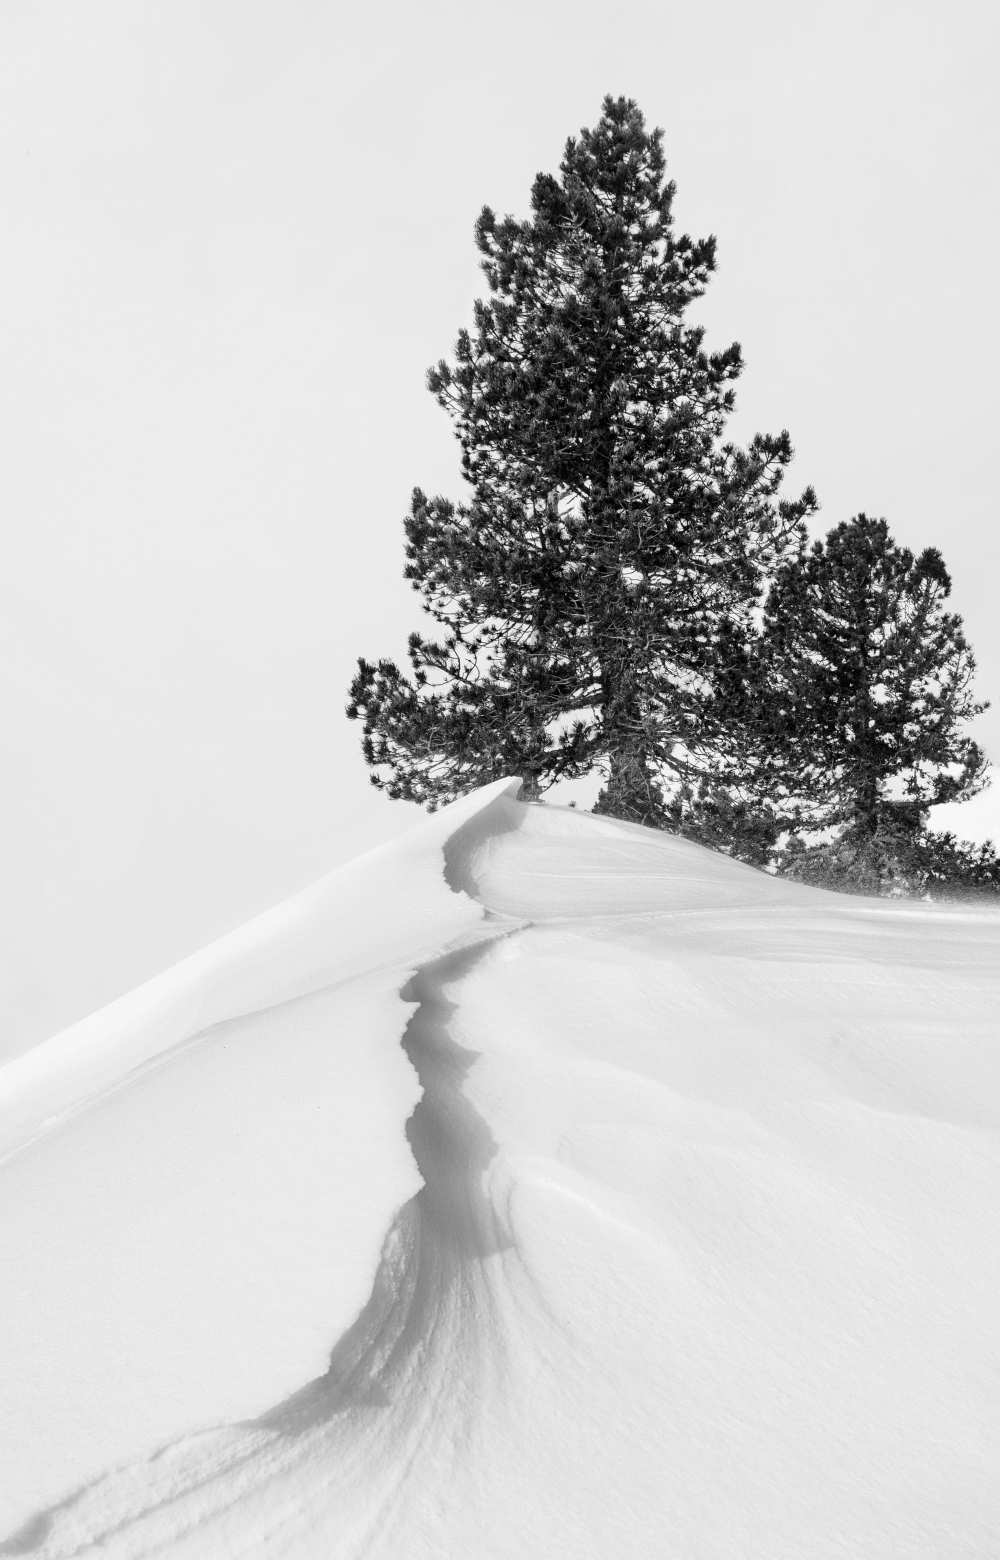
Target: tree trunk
(530,789)
(631,792)
(867,808)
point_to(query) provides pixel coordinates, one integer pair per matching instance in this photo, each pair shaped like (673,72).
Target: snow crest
(693,1255)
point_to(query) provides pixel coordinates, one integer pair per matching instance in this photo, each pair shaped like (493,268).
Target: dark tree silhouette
(597,587)
(870,689)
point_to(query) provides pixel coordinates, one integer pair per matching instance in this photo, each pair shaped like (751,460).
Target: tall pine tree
(595,592)
(871,686)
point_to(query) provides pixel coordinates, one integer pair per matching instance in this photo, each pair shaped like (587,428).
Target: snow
(536,1186)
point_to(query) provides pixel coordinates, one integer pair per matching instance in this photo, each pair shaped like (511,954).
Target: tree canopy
(595,591)
(871,682)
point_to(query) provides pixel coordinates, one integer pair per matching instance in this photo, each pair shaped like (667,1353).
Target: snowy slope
(689,1246)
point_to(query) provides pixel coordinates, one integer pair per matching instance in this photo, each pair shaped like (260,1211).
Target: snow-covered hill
(535,1187)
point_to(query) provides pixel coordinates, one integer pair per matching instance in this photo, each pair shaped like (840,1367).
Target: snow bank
(689,1248)
(387,908)
(195,1183)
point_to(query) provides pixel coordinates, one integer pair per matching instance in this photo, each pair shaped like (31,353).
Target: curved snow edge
(392,906)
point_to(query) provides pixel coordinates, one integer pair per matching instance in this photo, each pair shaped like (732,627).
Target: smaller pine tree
(868,683)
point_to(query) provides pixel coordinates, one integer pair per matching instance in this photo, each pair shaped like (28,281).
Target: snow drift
(535,1186)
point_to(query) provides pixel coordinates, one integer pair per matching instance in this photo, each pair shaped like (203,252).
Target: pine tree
(596,590)
(871,688)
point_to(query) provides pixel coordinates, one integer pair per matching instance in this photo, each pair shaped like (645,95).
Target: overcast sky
(236,234)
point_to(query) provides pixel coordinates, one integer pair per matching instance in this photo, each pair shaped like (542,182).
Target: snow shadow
(449,1225)
(428,1299)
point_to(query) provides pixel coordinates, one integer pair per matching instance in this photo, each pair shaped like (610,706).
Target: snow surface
(535,1186)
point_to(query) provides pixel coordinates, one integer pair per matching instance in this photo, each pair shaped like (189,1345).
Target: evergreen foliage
(724,819)
(594,595)
(857,698)
(957,869)
(884,861)
(869,686)
(896,860)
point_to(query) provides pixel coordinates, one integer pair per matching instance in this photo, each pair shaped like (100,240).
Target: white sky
(236,234)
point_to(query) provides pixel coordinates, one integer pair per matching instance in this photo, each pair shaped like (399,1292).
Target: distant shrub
(896,860)
(958,869)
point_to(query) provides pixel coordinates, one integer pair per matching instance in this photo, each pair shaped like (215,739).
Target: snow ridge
(692,1246)
(331,1458)
(427,1309)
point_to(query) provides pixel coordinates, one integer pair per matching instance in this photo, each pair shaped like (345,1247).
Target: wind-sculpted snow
(327,1460)
(699,1256)
(198,1181)
(384,908)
